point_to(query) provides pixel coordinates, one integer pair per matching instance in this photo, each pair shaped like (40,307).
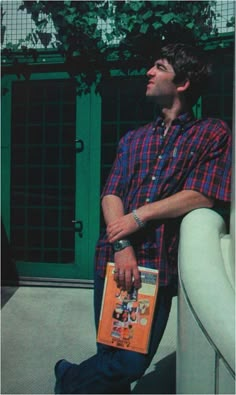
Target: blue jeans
(112,370)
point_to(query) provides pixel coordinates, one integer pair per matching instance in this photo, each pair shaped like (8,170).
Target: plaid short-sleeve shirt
(194,155)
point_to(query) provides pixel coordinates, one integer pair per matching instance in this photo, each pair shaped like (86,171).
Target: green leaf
(147,15)
(157,25)
(144,27)
(190,25)
(168,17)
(70,19)
(76,53)
(135,5)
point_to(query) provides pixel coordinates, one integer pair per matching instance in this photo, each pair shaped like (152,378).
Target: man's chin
(150,97)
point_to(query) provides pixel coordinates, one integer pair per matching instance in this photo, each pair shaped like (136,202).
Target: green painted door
(52,198)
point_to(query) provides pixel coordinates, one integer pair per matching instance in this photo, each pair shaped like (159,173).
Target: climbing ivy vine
(95,36)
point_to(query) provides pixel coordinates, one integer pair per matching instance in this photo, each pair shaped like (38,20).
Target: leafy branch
(96,35)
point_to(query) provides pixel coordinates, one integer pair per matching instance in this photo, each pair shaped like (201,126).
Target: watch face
(120,245)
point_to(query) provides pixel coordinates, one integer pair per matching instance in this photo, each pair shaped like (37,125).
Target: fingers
(126,273)
(115,235)
(115,232)
(136,279)
(116,276)
(119,277)
(121,227)
(114,228)
(126,279)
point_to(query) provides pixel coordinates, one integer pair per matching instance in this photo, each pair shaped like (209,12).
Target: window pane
(43,171)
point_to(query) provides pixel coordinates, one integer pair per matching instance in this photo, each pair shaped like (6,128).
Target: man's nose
(151,72)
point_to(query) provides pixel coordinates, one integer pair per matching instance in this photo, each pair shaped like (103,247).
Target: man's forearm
(120,226)
(112,208)
(174,206)
(126,267)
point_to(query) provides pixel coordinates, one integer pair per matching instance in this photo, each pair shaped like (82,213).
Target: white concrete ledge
(206,278)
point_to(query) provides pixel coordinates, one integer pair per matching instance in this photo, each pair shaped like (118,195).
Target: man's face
(160,86)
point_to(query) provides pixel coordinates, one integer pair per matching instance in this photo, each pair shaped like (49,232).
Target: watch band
(119,245)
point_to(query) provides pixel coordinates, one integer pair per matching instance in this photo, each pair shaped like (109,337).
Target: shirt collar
(183,119)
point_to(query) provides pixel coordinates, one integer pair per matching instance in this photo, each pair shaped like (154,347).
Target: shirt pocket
(182,159)
(177,168)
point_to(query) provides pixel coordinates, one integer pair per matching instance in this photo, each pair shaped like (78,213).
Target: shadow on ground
(161,380)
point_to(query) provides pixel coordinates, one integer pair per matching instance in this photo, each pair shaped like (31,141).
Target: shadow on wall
(161,381)
(9,275)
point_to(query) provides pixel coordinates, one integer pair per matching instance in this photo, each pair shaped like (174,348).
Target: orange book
(126,317)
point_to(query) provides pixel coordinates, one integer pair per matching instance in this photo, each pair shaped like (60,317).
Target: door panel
(52,143)
(43,171)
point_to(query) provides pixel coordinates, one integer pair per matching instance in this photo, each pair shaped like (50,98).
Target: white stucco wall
(206,306)
(206,302)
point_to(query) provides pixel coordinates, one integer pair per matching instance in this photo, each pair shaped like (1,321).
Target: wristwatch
(120,245)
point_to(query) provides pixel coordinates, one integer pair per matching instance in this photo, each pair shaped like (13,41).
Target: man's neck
(169,114)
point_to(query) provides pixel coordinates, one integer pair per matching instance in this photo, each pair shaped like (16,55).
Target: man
(162,171)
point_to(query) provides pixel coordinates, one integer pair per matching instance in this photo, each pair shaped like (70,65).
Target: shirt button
(153,178)
(160,156)
(147,200)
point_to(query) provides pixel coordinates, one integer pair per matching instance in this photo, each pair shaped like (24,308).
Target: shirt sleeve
(212,174)
(115,182)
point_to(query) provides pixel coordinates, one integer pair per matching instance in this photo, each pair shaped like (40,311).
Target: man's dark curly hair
(189,63)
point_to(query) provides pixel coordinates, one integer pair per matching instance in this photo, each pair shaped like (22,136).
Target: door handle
(78,227)
(79,148)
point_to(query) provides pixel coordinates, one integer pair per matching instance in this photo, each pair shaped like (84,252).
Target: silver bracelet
(138,221)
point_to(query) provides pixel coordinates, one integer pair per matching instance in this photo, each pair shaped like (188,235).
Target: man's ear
(183,86)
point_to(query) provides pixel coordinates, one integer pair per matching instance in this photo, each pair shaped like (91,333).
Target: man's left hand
(121,228)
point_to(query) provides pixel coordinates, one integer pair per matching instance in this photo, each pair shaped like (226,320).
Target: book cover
(126,317)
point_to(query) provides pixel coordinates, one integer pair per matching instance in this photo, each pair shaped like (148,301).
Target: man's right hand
(126,269)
